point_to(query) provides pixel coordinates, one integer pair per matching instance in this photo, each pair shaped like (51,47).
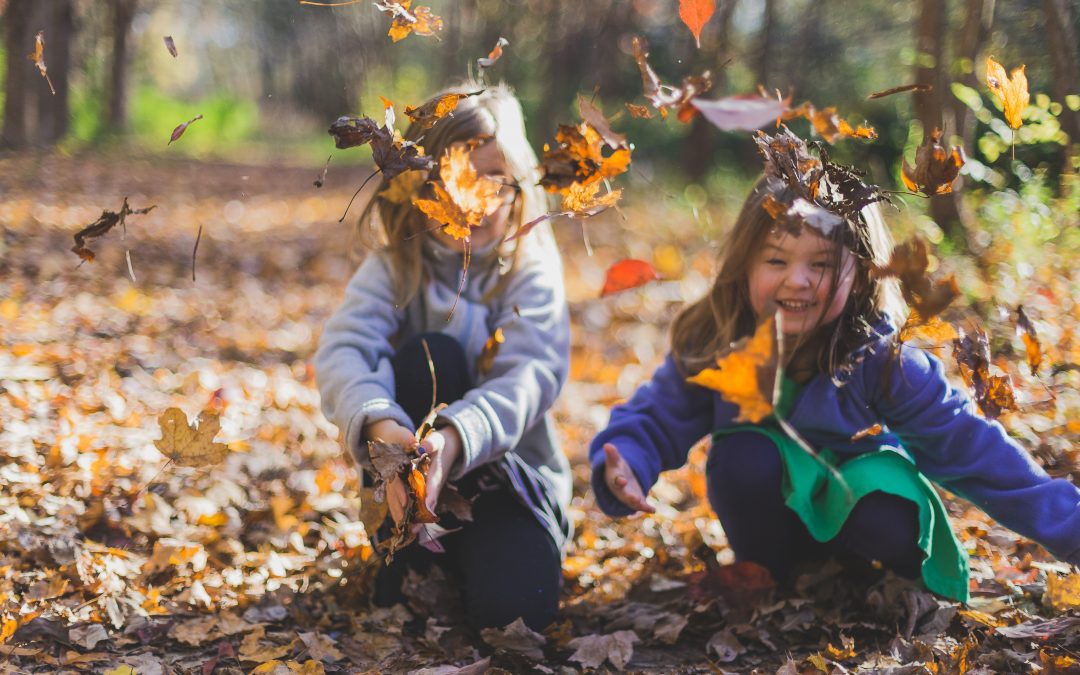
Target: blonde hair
(707,327)
(399,230)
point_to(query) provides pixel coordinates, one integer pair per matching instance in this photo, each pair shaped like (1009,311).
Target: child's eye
(774,262)
(823,265)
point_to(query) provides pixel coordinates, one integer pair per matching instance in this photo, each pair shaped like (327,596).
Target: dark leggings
(506,562)
(744,475)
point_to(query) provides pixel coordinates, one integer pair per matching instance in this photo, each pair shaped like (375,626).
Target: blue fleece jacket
(921,413)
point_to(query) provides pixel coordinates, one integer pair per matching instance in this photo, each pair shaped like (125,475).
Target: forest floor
(111,563)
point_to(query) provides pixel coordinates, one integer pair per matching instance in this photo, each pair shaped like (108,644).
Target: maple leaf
(1031,340)
(664,96)
(190,445)
(592,650)
(493,56)
(579,201)
(909,263)
(171,46)
(745,374)
(181,128)
(38,57)
(391,154)
(463,198)
(578,157)
(627,274)
(935,167)
(827,124)
(741,113)
(1012,91)
(695,14)
(105,222)
(437,108)
(993,393)
(407,21)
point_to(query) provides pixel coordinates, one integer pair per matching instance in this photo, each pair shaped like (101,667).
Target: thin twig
(431,369)
(342,218)
(131,271)
(194,251)
(330,4)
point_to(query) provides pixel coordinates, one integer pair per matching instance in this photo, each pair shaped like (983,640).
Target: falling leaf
(490,351)
(695,14)
(392,154)
(873,430)
(190,445)
(934,330)
(170,45)
(639,111)
(802,212)
(403,188)
(577,157)
(901,89)
(663,96)
(592,650)
(1012,91)
(909,263)
(1031,340)
(180,129)
(38,57)
(437,108)
(827,124)
(594,117)
(844,652)
(745,375)
(420,21)
(463,198)
(105,222)
(935,167)
(993,393)
(517,638)
(494,55)
(741,113)
(627,274)
(322,176)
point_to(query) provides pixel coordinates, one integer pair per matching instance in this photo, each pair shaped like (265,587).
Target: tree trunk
(698,150)
(123,13)
(929,105)
(766,40)
(1061,40)
(53,109)
(978,19)
(16,30)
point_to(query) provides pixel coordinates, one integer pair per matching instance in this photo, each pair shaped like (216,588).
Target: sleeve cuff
(470,425)
(372,411)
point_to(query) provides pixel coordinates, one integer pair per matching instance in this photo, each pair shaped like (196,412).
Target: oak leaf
(935,167)
(38,57)
(745,375)
(407,20)
(627,274)
(695,14)
(1012,91)
(437,108)
(190,445)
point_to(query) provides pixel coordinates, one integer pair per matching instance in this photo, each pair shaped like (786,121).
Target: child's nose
(799,277)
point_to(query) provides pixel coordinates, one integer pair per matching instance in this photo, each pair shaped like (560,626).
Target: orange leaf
(462,198)
(490,351)
(828,124)
(872,430)
(38,57)
(627,274)
(494,55)
(695,14)
(935,167)
(1012,91)
(436,109)
(1031,340)
(910,263)
(639,111)
(745,375)
(420,21)
(419,487)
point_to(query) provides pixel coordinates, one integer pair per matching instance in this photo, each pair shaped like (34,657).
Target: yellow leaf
(404,186)
(1012,91)
(581,197)
(1063,592)
(743,376)
(190,445)
(122,669)
(490,351)
(463,198)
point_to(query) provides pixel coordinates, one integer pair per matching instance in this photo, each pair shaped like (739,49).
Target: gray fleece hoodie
(504,417)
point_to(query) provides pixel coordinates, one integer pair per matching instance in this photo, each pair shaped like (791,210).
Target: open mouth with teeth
(795,305)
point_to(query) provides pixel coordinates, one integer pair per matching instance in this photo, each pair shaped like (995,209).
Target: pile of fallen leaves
(115,554)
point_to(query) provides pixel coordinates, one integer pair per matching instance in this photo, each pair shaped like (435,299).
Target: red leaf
(179,131)
(627,274)
(695,14)
(741,113)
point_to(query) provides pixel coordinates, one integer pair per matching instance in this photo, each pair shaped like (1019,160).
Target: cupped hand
(444,446)
(622,482)
(390,431)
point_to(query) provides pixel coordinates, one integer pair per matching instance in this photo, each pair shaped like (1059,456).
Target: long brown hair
(707,327)
(398,230)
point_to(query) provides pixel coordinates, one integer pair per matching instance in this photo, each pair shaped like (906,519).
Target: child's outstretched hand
(622,482)
(444,445)
(390,431)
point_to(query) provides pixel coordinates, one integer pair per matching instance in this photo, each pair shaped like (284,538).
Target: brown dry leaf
(388,459)
(1012,91)
(255,650)
(391,153)
(490,351)
(827,124)
(592,650)
(105,222)
(463,198)
(1031,340)
(321,647)
(594,117)
(664,96)
(437,108)
(993,393)
(902,88)
(517,638)
(909,263)
(407,21)
(190,445)
(639,111)
(743,112)
(744,376)
(935,167)
(181,128)
(38,57)
(170,44)
(627,274)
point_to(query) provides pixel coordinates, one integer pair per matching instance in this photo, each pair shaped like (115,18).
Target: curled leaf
(827,124)
(664,97)
(578,157)
(935,167)
(490,351)
(993,393)
(1012,91)
(627,274)
(910,263)
(105,222)
(741,113)
(1031,340)
(171,46)
(38,57)
(181,128)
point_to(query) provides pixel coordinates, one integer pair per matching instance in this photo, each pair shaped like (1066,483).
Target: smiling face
(795,275)
(489,163)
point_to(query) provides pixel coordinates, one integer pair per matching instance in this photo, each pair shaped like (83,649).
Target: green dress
(824,502)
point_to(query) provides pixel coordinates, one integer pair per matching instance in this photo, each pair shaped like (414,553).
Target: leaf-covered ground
(260,563)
